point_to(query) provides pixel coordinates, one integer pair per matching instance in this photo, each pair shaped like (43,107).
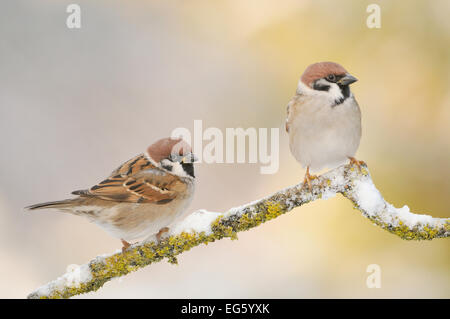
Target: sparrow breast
(321,134)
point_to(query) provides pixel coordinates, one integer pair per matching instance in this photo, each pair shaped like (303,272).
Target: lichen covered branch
(203,227)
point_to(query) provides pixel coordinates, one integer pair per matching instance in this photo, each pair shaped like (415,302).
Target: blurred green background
(76,103)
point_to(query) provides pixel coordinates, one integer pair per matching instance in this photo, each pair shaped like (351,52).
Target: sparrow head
(328,79)
(174,156)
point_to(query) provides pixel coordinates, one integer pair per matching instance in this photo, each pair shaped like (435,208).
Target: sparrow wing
(137,181)
(288,117)
(290,111)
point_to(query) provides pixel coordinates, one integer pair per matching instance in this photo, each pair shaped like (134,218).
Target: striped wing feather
(137,181)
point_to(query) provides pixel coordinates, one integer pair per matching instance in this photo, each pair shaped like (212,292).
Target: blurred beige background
(74,104)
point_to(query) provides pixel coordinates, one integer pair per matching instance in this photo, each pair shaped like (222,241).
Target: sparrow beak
(347,79)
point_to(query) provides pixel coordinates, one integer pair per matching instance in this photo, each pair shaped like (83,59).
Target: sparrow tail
(57,204)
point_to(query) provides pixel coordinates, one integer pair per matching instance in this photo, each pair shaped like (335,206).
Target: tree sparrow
(324,119)
(142,196)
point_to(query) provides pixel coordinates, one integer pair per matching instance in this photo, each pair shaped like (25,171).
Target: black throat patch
(345,90)
(188,168)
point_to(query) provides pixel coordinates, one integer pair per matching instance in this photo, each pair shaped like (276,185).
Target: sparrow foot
(354,161)
(308,178)
(125,244)
(160,233)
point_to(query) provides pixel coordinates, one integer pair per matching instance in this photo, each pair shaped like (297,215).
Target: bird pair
(146,194)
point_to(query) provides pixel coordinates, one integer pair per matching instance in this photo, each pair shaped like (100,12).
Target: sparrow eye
(331,78)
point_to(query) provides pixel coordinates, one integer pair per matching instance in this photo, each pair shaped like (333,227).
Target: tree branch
(202,227)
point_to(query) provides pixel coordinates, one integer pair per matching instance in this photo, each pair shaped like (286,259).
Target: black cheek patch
(320,87)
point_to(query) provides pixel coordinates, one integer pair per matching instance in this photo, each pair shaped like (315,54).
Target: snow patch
(199,221)
(368,197)
(75,276)
(370,200)
(409,219)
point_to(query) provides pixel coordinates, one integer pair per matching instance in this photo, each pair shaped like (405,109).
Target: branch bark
(203,227)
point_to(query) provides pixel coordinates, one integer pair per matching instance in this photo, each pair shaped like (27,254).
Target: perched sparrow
(324,119)
(141,197)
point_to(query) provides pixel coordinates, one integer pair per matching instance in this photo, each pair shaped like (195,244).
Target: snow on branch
(203,227)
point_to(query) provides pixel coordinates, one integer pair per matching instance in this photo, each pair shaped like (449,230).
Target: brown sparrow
(324,119)
(142,196)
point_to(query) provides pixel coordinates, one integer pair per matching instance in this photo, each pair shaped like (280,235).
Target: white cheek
(336,92)
(166,162)
(177,169)
(333,94)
